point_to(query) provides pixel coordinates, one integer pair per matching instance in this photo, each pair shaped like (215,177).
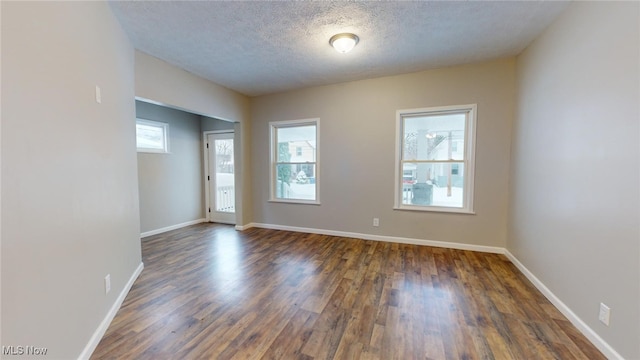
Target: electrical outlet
(604,315)
(107,283)
(376,222)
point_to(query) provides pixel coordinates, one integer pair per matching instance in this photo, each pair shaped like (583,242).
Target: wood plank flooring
(211,292)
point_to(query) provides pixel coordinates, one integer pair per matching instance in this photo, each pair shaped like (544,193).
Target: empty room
(320,180)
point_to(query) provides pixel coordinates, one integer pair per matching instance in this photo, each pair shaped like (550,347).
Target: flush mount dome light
(343,43)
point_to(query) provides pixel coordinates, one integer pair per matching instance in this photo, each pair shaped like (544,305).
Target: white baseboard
(244,227)
(395,239)
(104,325)
(588,332)
(172,227)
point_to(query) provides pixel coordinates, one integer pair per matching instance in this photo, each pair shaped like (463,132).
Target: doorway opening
(220,177)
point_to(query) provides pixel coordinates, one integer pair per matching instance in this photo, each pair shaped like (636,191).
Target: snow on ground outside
(440,198)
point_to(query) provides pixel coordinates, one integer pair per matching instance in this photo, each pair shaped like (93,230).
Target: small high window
(152,136)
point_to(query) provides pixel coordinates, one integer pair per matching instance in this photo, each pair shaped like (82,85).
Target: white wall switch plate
(107,283)
(605,314)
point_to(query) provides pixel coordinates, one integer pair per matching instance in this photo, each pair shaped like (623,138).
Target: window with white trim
(435,156)
(294,161)
(152,136)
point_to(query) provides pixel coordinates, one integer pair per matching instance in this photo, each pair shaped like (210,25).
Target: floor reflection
(227,267)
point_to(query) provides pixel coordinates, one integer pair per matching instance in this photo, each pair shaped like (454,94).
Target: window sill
(147,151)
(436,209)
(298,202)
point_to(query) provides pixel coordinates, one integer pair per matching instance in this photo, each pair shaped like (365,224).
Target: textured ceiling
(259,48)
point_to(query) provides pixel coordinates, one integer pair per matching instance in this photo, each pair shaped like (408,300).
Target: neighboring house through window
(435,159)
(294,161)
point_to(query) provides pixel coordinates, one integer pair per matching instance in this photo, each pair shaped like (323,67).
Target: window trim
(468,162)
(165,133)
(273,126)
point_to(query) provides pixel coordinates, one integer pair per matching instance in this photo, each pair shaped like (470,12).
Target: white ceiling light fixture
(344,42)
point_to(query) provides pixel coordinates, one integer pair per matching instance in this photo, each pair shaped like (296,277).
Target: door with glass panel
(221,178)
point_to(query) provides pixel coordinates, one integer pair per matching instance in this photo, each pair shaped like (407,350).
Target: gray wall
(211,124)
(69,179)
(171,185)
(357,149)
(575,166)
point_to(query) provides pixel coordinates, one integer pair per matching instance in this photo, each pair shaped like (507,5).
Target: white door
(222,195)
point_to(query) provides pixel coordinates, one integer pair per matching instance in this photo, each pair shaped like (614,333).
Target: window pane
(150,137)
(224,156)
(297,144)
(225,187)
(433,184)
(296,181)
(434,137)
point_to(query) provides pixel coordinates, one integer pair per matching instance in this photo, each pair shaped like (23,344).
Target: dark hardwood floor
(211,292)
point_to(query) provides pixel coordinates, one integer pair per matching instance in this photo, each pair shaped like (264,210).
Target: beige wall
(575,166)
(69,193)
(171,185)
(169,85)
(357,147)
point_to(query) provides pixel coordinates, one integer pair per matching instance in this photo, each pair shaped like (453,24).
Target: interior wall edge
(176,107)
(104,325)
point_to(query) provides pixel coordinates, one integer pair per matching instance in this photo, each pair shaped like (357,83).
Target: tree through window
(294,161)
